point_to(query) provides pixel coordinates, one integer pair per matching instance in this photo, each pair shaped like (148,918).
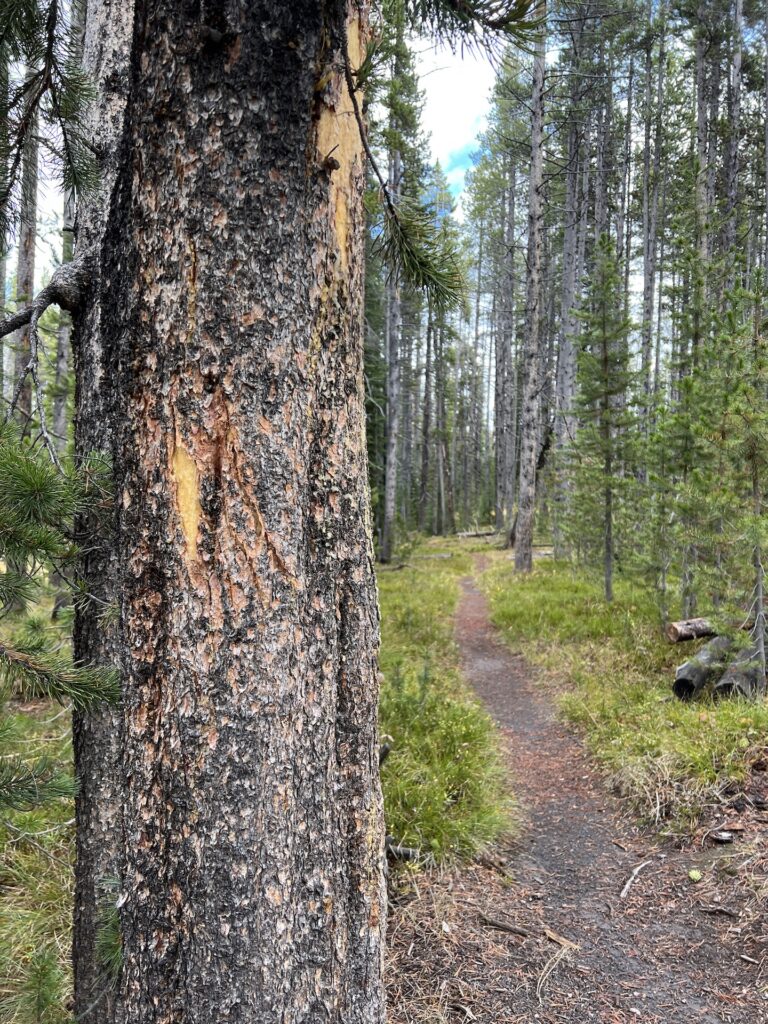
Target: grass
(444,786)
(669,758)
(36,882)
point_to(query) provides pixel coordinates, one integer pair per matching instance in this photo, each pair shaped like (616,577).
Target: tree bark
(426,425)
(3,214)
(251,881)
(393,332)
(734,121)
(96,735)
(25,268)
(529,426)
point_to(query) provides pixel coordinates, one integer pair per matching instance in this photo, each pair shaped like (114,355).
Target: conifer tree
(601,448)
(38,504)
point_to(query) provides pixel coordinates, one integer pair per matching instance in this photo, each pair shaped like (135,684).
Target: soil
(548,928)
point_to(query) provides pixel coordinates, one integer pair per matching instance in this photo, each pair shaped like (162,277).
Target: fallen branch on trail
(504,926)
(631,880)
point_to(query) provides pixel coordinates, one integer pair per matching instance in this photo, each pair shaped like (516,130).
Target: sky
(457,91)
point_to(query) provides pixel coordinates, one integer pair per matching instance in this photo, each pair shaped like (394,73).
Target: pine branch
(474,22)
(24,785)
(53,677)
(410,242)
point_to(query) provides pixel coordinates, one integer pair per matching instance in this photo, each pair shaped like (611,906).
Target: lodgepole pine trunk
(393,333)
(96,735)
(230,325)
(426,424)
(529,425)
(25,268)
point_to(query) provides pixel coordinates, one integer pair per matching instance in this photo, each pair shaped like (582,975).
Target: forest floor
(585,917)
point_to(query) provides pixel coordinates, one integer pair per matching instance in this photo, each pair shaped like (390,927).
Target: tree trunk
(25,269)
(394,328)
(425,428)
(529,426)
(734,121)
(251,874)
(651,177)
(501,385)
(3,213)
(96,735)
(60,384)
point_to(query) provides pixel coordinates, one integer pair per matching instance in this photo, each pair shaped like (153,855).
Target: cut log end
(689,629)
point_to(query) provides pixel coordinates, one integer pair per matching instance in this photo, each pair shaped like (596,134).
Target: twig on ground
(631,880)
(504,926)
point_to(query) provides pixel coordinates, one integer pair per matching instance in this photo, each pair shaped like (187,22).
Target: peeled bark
(251,867)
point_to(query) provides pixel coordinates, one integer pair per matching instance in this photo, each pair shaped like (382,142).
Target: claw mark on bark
(187,496)
(337,133)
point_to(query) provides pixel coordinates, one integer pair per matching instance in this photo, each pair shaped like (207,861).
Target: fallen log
(689,629)
(695,675)
(694,629)
(743,677)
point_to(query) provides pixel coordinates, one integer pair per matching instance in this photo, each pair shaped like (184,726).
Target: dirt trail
(669,951)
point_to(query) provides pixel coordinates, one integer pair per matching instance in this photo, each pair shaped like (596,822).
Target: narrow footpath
(584,917)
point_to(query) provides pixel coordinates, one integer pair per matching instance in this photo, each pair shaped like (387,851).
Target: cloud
(457,92)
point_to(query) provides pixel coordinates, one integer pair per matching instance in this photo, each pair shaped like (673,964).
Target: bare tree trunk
(501,423)
(529,426)
(251,881)
(394,329)
(60,382)
(25,268)
(758,632)
(651,177)
(734,122)
(765,143)
(96,735)
(410,310)
(510,363)
(425,428)
(3,213)
(566,368)
(701,189)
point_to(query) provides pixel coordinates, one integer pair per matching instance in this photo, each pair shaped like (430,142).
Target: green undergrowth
(36,881)
(444,785)
(614,672)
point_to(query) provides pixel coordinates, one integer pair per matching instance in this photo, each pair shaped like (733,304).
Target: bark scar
(187,496)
